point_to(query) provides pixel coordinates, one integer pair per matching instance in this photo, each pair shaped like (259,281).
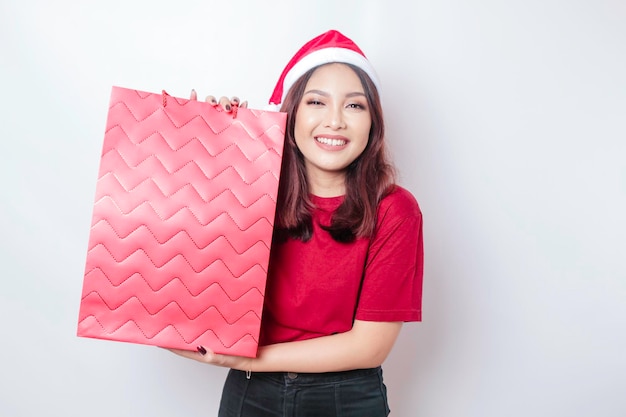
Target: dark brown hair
(368,178)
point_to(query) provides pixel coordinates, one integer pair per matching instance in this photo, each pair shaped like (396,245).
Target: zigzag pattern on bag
(182,224)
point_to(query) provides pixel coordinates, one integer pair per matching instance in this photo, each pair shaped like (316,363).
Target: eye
(314,102)
(357,106)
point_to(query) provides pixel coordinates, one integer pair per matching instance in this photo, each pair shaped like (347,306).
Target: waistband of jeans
(322,377)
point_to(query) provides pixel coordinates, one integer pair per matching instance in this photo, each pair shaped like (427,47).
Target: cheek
(364,132)
(304,126)
(298,133)
(305,120)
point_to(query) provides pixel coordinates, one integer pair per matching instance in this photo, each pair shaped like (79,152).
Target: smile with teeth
(331,142)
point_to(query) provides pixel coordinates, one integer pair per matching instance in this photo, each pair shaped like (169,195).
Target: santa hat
(328,47)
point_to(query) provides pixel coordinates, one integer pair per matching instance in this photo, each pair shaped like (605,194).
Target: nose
(335,118)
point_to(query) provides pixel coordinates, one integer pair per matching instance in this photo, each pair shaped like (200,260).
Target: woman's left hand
(207,356)
(366,345)
(226,103)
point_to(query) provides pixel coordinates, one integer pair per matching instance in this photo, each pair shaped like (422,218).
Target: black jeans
(358,393)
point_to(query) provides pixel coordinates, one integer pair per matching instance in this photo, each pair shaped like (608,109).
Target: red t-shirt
(320,287)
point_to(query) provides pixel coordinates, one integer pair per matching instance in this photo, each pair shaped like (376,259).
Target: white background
(507,120)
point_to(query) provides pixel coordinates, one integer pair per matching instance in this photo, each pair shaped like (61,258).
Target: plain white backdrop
(507,120)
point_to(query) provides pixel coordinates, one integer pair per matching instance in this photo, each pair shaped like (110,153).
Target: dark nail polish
(227,107)
(202,350)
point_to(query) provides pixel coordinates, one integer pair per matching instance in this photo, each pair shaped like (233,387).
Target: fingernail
(213,101)
(227,107)
(202,350)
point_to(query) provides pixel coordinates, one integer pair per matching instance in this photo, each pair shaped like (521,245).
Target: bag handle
(235,106)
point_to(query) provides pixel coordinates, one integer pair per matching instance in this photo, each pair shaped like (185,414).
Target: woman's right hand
(226,103)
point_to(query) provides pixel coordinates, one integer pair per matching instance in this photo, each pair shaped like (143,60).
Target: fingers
(236,102)
(205,355)
(201,355)
(208,356)
(226,103)
(189,354)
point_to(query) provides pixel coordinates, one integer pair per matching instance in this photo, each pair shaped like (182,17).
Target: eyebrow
(325,94)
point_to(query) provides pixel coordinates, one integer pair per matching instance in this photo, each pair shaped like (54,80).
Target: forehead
(335,75)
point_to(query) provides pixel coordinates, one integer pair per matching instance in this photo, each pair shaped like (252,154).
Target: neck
(327,185)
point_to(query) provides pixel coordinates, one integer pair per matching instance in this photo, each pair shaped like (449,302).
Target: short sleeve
(392,282)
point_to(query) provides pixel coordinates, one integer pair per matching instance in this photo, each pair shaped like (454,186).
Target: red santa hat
(328,47)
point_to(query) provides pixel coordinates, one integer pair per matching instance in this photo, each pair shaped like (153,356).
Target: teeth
(331,142)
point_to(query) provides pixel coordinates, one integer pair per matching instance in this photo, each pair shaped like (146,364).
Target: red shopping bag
(182,224)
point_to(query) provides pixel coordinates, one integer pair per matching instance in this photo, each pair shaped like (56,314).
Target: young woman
(347,257)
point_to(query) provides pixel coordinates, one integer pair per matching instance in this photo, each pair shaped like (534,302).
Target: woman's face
(332,122)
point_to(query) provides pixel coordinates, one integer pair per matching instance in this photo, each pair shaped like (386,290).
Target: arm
(366,345)
(384,304)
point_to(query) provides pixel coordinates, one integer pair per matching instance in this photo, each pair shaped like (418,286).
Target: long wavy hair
(368,178)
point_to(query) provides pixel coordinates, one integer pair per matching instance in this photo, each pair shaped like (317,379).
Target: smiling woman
(347,257)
